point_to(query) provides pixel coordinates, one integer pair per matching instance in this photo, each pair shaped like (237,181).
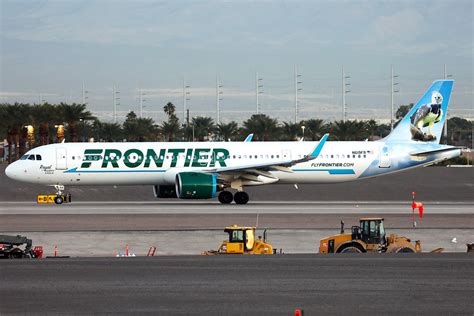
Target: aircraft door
(384,158)
(61,159)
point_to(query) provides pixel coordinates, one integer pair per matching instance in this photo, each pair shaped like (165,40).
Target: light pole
(258,85)
(303,127)
(115,98)
(185,97)
(344,91)
(297,83)
(218,99)
(141,100)
(392,91)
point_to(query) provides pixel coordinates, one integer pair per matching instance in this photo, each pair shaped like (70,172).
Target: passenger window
(256,156)
(278,156)
(233,156)
(332,156)
(353,156)
(364,156)
(31,157)
(272,156)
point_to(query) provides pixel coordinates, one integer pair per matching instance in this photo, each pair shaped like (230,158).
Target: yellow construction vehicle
(368,237)
(242,241)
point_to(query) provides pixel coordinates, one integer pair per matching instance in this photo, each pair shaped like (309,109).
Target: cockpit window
(31,157)
(38,157)
(24,157)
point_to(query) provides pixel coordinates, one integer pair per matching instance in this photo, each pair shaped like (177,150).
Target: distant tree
(227,131)
(171,128)
(73,113)
(403,110)
(290,131)
(262,126)
(203,126)
(348,130)
(139,129)
(109,132)
(314,129)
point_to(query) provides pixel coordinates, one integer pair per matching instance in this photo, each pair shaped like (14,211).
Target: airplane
(205,170)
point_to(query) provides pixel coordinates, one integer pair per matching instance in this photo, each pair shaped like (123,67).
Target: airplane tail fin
(424,122)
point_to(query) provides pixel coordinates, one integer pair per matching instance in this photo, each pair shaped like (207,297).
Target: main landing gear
(240,197)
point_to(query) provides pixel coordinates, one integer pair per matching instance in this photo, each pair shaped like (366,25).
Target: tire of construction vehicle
(350,249)
(58,199)
(404,250)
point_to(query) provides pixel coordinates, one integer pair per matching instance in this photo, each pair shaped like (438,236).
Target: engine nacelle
(196,185)
(164,191)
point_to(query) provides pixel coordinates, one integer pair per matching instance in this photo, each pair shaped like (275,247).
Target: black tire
(350,249)
(404,250)
(225,197)
(58,199)
(241,197)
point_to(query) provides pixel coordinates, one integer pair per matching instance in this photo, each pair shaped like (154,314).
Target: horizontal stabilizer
(436,151)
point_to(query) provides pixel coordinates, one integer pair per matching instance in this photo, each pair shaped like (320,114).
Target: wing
(260,173)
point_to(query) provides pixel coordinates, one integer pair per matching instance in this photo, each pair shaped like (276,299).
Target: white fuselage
(157,163)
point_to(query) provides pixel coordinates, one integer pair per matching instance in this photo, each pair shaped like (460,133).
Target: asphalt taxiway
(427,284)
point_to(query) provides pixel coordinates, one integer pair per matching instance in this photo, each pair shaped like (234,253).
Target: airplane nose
(9,171)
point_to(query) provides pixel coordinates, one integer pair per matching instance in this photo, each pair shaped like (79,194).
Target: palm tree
(170,130)
(203,126)
(43,116)
(262,126)
(72,114)
(314,129)
(139,129)
(169,109)
(349,130)
(290,131)
(15,116)
(227,132)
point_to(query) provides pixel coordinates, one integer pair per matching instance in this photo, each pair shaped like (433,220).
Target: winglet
(249,138)
(318,148)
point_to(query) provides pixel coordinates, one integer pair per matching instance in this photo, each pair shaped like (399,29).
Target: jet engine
(196,185)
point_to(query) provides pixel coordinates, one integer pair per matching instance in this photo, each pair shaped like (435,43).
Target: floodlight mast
(115,98)
(344,91)
(258,85)
(297,83)
(185,97)
(392,92)
(218,99)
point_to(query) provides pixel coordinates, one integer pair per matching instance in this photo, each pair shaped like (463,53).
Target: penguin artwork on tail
(425,117)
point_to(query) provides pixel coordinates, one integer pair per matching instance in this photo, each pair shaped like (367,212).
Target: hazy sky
(51,47)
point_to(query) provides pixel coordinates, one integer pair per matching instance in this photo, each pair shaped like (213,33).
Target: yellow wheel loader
(242,241)
(368,237)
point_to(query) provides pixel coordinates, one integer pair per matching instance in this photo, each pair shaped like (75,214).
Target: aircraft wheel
(58,199)
(241,197)
(225,197)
